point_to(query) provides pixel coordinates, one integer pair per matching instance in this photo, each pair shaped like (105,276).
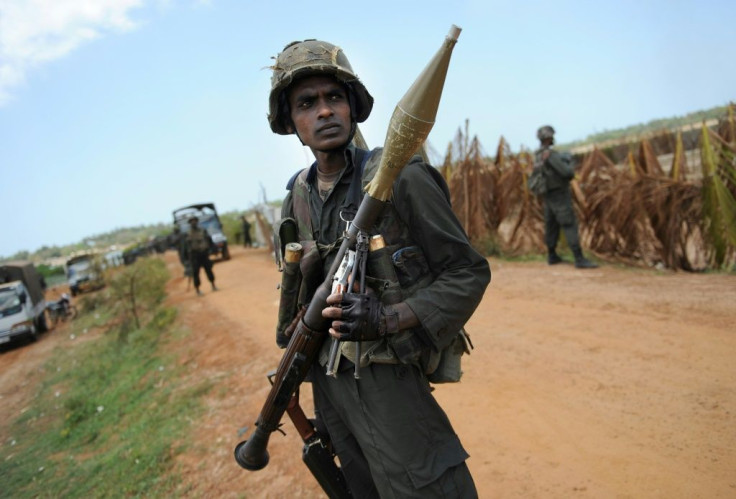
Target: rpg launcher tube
(291,279)
(412,120)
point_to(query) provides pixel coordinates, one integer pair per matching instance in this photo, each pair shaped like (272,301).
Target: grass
(108,419)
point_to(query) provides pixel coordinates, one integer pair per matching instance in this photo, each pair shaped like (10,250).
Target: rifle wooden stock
(410,125)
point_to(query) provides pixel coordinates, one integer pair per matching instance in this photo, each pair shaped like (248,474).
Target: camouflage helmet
(309,58)
(545,132)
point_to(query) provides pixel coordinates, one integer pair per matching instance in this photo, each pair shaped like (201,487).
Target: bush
(137,289)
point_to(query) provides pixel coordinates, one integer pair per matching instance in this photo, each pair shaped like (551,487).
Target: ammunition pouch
(395,275)
(291,279)
(285,231)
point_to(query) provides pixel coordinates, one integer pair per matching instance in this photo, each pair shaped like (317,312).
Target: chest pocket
(199,241)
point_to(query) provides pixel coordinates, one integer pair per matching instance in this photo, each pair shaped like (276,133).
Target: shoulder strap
(299,186)
(355,191)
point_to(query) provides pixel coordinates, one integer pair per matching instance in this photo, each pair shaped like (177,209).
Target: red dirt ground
(605,383)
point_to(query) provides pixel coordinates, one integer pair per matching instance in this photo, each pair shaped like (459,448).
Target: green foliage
(719,204)
(488,245)
(650,126)
(119,237)
(108,419)
(137,289)
(48,271)
(231,225)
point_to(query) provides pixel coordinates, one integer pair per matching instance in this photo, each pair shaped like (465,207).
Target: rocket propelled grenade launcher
(409,127)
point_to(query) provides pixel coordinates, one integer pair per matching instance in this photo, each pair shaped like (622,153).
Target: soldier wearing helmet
(197,244)
(390,434)
(559,215)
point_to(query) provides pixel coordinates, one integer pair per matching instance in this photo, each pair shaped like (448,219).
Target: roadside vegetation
(111,413)
(641,129)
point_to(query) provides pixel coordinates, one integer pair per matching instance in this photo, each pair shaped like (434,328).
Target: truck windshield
(78,267)
(9,302)
(207,220)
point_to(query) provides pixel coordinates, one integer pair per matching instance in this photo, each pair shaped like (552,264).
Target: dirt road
(606,383)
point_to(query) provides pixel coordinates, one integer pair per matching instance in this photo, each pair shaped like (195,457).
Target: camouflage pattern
(310,58)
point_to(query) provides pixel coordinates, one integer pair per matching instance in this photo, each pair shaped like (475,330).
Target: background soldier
(247,243)
(197,250)
(390,434)
(558,211)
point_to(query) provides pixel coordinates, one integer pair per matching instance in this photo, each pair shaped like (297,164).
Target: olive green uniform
(558,209)
(197,250)
(392,437)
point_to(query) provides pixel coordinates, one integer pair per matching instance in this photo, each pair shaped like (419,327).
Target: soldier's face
(320,112)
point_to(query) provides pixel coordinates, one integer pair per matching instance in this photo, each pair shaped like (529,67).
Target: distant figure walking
(247,243)
(558,172)
(197,244)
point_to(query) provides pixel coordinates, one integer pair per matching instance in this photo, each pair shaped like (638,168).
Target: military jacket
(198,240)
(558,171)
(442,277)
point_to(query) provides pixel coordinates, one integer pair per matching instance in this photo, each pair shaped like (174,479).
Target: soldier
(247,243)
(197,245)
(558,211)
(391,436)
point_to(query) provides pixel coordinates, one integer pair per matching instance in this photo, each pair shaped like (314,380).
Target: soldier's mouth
(329,128)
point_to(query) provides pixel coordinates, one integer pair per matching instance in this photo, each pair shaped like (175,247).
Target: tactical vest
(553,180)
(411,269)
(198,240)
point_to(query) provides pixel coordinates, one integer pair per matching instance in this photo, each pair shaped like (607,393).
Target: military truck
(208,220)
(22,303)
(84,273)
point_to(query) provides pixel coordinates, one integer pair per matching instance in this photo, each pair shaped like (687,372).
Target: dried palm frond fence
(637,211)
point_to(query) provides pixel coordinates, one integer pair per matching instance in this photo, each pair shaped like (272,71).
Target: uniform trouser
(200,260)
(392,437)
(559,214)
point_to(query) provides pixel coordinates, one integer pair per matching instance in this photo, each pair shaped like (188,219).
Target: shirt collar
(350,152)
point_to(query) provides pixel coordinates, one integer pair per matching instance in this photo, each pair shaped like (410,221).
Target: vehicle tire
(53,318)
(43,322)
(225,252)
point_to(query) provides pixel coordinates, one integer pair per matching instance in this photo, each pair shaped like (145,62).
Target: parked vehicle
(22,303)
(208,220)
(84,273)
(61,310)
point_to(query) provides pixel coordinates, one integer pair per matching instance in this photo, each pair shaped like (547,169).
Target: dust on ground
(613,382)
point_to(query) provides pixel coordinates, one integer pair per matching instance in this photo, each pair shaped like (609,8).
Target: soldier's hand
(359,317)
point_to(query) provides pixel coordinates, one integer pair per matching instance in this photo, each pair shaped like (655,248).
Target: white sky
(113,113)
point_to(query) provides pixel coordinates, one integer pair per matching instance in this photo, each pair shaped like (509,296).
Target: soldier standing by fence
(558,211)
